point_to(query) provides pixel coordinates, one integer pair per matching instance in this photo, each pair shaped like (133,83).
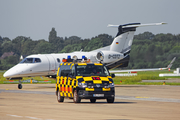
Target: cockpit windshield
(31,60)
(92,70)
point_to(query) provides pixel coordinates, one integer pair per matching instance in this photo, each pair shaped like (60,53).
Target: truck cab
(84,81)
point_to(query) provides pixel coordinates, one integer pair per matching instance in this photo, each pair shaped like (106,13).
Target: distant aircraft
(148,69)
(113,56)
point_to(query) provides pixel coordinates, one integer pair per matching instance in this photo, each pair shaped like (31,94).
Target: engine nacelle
(109,56)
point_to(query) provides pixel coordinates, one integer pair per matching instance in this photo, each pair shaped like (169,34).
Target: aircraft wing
(150,69)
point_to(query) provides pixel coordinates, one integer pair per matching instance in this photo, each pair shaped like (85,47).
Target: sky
(85,18)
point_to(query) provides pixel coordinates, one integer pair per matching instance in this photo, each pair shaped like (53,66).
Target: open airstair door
(52,64)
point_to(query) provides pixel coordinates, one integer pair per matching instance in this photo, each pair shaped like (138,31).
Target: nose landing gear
(20,85)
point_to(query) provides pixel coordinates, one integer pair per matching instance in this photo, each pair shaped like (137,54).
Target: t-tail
(123,41)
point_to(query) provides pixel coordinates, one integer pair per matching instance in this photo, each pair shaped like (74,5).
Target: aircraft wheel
(76,98)
(20,86)
(92,100)
(59,97)
(110,100)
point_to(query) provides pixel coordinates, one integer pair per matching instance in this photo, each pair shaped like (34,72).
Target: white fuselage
(48,64)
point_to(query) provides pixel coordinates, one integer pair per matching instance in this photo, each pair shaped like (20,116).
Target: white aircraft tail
(124,38)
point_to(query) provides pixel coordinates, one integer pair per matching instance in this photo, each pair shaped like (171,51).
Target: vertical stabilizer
(123,41)
(124,38)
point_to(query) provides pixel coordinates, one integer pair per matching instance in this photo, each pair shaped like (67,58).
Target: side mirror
(112,75)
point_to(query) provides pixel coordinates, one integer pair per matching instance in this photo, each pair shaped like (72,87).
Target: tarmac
(132,102)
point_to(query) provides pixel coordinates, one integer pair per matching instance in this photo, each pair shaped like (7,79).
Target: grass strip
(123,80)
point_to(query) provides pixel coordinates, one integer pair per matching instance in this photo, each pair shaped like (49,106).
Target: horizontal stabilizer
(137,25)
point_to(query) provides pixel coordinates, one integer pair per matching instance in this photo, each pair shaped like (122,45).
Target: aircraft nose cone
(13,72)
(5,74)
(8,74)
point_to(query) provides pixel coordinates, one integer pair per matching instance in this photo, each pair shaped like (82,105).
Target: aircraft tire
(76,98)
(19,86)
(59,97)
(110,100)
(92,100)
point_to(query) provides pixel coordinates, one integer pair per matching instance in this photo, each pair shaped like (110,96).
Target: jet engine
(109,56)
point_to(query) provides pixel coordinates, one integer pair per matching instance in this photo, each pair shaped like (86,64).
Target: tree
(93,44)
(7,46)
(9,62)
(43,47)
(52,36)
(1,40)
(144,36)
(28,47)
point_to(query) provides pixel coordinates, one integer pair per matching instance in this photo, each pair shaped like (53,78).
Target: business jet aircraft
(115,55)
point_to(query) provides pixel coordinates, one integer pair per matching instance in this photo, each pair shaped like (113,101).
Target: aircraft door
(52,65)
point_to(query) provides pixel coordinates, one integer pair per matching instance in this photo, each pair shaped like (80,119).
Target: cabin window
(31,60)
(27,60)
(36,60)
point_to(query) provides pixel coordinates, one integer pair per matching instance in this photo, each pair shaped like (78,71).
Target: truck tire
(76,98)
(59,97)
(110,100)
(92,100)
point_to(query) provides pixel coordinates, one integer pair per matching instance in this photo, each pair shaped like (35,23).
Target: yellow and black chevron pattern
(66,86)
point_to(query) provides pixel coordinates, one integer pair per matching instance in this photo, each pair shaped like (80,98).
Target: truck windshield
(91,70)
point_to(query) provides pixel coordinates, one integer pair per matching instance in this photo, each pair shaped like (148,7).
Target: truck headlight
(82,85)
(111,84)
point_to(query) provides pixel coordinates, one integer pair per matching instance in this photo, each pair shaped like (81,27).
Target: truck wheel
(92,100)
(76,98)
(59,97)
(110,100)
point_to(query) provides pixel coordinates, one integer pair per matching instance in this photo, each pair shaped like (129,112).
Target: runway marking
(141,97)
(34,118)
(14,116)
